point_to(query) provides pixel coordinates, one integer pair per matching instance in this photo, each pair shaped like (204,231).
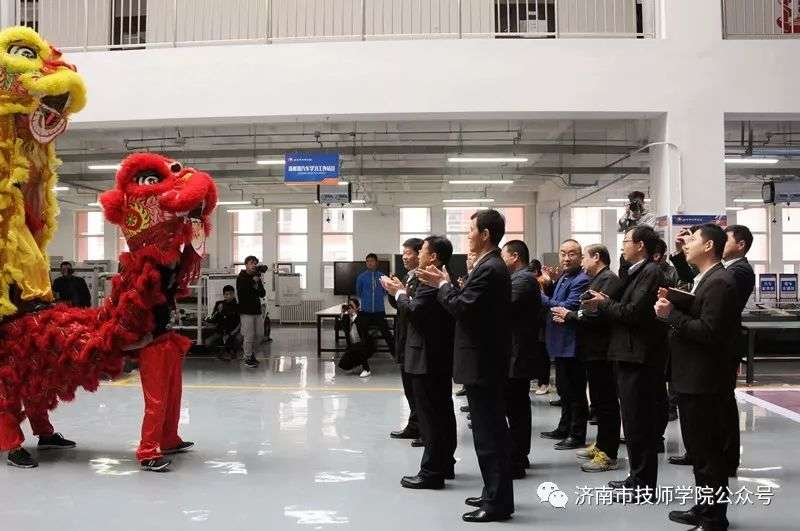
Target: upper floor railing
(129,24)
(760,19)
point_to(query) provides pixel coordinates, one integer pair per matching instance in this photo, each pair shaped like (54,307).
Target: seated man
(226,316)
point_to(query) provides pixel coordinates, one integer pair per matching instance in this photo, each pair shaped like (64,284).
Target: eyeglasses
(627,241)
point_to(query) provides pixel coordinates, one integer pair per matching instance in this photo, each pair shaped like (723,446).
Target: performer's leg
(11,436)
(174,379)
(40,422)
(154,363)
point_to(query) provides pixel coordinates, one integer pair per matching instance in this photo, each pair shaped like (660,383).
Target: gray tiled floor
(298,444)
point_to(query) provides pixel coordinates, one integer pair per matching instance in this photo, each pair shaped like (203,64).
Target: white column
(314,281)
(609,236)
(775,236)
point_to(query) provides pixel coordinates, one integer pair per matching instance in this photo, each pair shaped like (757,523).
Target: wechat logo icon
(550,493)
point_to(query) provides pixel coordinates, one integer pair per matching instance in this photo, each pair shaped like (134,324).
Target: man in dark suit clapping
(428,361)
(702,338)
(481,358)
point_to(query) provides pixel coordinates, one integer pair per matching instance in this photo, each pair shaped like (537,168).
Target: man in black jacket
(411,249)
(526,309)
(71,289)
(593,337)
(250,290)
(481,309)
(703,338)
(428,361)
(638,350)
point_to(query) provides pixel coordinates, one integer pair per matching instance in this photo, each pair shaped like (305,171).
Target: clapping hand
(391,285)
(663,308)
(433,276)
(559,314)
(594,302)
(662,293)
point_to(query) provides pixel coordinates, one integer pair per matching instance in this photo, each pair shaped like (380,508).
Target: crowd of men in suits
(624,336)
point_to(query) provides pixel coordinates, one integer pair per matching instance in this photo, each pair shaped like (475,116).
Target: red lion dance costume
(162,209)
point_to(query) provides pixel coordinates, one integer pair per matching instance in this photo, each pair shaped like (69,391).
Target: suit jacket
(429,341)
(686,272)
(560,338)
(482,311)
(401,324)
(526,311)
(637,336)
(594,330)
(703,337)
(745,280)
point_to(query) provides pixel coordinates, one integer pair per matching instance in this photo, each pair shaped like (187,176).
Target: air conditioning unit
(781,191)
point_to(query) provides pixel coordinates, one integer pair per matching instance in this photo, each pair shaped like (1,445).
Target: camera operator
(250,289)
(636,213)
(347,319)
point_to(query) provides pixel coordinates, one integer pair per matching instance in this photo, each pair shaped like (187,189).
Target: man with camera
(636,213)
(250,290)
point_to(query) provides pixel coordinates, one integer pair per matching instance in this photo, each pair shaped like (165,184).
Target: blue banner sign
(768,286)
(788,287)
(304,167)
(684,220)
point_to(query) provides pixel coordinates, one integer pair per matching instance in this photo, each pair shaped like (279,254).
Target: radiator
(305,312)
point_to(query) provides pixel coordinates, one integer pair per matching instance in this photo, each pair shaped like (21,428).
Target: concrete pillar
(775,237)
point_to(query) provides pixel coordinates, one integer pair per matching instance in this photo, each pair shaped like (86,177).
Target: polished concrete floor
(297,444)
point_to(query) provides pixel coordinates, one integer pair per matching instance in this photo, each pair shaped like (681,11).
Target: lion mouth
(49,119)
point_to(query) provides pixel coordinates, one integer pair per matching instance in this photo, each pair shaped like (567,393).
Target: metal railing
(129,24)
(760,19)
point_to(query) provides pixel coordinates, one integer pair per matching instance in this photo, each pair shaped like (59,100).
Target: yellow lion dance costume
(38,92)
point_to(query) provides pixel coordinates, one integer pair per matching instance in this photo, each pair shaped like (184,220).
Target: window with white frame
(791,239)
(756,220)
(122,243)
(247,235)
(515,223)
(415,222)
(293,240)
(586,225)
(457,222)
(337,241)
(90,235)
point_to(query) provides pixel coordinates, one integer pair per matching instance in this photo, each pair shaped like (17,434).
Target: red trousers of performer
(160,369)
(10,432)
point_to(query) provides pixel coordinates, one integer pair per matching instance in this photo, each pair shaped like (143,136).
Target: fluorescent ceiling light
(359,209)
(249,210)
(61,189)
(343,183)
(618,200)
(498,181)
(734,208)
(750,160)
(485,200)
(748,200)
(95,204)
(487,159)
(462,208)
(223,203)
(104,166)
(271,162)
(359,201)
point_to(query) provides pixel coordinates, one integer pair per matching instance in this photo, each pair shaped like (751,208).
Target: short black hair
(442,247)
(493,221)
(519,248)
(250,259)
(535,266)
(373,256)
(415,244)
(65,263)
(601,250)
(636,194)
(355,301)
(714,233)
(741,233)
(576,242)
(661,247)
(228,288)
(646,235)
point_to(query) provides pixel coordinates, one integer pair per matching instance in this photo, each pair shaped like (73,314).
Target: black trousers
(637,388)
(492,445)
(433,394)
(702,421)
(367,321)
(662,408)
(730,429)
(603,392)
(571,378)
(518,413)
(541,365)
(408,389)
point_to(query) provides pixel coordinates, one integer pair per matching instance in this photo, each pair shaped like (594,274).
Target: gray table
(752,328)
(335,312)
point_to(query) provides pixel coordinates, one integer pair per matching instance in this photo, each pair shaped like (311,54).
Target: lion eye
(175,167)
(148,179)
(22,51)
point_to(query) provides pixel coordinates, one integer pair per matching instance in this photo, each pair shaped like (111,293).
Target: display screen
(345,274)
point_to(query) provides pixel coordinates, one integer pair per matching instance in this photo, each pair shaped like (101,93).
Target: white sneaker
(542,390)
(364,374)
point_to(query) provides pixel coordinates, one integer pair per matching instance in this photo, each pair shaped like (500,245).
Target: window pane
(759,268)
(515,218)
(90,224)
(327,276)
(337,220)
(415,220)
(511,236)
(457,219)
(460,243)
(91,248)
(585,219)
(293,248)
(247,223)
(302,269)
(791,248)
(754,218)
(244,246)
(791,219)
(337,248)
(788,268)
(620,237)
(293,220)
(759,249)
(587,238)
(404,237)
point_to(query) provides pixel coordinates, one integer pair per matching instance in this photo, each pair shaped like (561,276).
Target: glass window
(788,268)
(404,237)
(293,247)
(586,219)
(327,276)
(246,245)
(791,247)
(337,247)
(511,236)
(457,222)
(759,251)
(587,238)
(293,239)
(302,270)
(89,235)
(515,219)
(337,241)
(247,230)
(293,220)
(337,220)
(754,218)
(415,220)
(460,243)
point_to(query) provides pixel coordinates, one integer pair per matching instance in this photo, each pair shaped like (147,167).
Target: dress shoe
(417,443)
(518,473)
(618,484)
(689,517)
(417,482)
(462,392)
(673,415)
(679,459)
(570,443)
(405,433)
(555,435)
(451,474)
(660,449)
(469,416)
(464,409)
(481,516)
(469,425)
(556,403)
(474,502)
(622,440)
